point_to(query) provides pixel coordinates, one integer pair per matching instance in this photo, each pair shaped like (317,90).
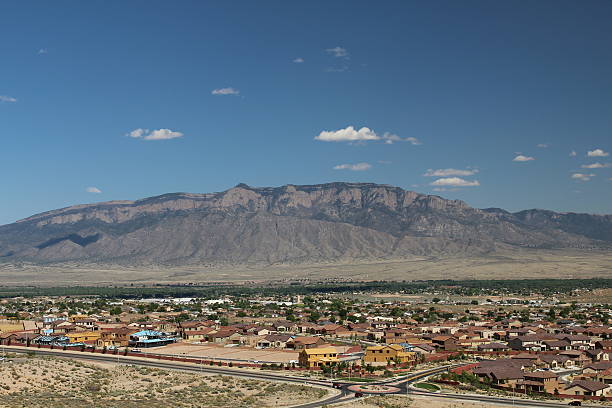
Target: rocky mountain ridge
(289,224)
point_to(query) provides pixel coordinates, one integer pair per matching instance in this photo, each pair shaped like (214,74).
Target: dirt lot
(238,353)
(54,383)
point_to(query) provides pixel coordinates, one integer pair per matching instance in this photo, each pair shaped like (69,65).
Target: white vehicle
(136,350)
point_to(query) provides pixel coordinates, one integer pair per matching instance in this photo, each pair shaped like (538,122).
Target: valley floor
(515,265)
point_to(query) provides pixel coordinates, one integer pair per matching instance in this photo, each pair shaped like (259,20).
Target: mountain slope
(289,224)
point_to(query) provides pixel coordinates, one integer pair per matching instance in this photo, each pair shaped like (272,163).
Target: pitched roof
(588,385)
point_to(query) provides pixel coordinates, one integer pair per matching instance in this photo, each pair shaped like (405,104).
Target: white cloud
(137,133)
(597,153)
(93,190)
(350,134)
(43,51)
(163,134)
(390,138)
(159,134)
(596,165)
(354,167)
(5,98)
(582,176)
(572,153)
(338,52)
(299,60)
(225,91)
(543,145)
(521,158)
(455,182)
(450,172)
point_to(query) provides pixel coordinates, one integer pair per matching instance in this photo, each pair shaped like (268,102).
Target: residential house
(305,342)
(149,338)
(115,337)
(317,357)
(83,336)
(540,381)
(278,341)
(587,387)
(385,354)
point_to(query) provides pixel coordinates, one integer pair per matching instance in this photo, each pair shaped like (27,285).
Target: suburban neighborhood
(521,345)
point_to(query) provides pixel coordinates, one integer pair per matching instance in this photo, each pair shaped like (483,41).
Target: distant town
(541,342)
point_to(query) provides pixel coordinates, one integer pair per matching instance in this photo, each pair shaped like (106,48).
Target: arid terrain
(54,383)
(524,264)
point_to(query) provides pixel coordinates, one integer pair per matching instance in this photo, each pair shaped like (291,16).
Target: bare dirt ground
(520,264)
(238,353)
(54,383)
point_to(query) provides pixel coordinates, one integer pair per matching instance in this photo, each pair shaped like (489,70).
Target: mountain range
(292,224)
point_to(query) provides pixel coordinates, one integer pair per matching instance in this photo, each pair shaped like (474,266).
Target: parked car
(136,350)
(575,403)
(358,394)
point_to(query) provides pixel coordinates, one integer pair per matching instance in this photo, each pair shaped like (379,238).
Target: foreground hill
(289,225)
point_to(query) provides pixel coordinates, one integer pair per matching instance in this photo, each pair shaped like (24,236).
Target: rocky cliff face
(289,224)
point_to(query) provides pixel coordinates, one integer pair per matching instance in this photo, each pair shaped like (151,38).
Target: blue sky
(275,92)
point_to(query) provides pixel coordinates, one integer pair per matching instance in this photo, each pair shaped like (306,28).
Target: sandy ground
(238,353)
(519,264)
(54,382)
